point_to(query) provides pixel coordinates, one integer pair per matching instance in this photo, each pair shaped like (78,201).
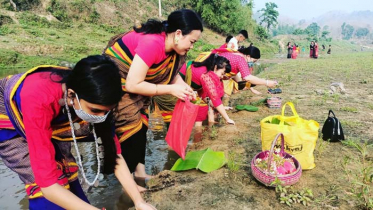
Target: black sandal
(274,91)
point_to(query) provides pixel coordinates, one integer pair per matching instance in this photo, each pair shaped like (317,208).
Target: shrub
(5,20)
(21,5)
(58,10)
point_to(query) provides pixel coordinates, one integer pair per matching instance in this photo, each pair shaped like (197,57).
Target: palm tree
(269,16)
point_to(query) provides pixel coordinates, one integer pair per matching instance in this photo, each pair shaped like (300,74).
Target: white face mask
(88,117)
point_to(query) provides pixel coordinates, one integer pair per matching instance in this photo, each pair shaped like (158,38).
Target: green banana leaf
(247,108)
(259,102)
(205,160)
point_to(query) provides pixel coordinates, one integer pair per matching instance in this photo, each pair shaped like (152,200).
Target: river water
(108,194)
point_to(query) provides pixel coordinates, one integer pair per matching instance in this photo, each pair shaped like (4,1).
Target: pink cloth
(149,47)
(211,85)
(238,63)
(39,104)
(213,88)
(223,46)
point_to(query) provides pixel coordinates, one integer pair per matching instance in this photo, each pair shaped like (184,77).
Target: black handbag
(332,129)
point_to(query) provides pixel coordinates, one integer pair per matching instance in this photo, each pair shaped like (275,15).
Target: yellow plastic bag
(300,135)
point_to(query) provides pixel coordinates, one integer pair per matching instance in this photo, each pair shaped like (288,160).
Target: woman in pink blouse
(149,58)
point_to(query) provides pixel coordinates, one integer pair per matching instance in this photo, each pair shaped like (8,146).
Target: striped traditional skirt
(15,155)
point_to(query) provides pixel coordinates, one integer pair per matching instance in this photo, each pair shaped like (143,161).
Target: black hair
(254,52)
(228,38)
(96,79)
(214,60)
(244,33)
(185,19)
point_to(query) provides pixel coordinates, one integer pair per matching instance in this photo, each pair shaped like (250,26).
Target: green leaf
(205,160)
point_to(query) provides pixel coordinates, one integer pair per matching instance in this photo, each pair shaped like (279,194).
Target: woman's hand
(144,206)
(181,91)
(271,83)
(231,122)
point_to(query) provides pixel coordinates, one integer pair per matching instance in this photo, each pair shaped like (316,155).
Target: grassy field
(343,177)
(344,171)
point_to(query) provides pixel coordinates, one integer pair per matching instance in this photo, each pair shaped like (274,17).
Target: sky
(301,9)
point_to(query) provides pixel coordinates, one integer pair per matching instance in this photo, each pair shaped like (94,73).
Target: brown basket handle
(273,148)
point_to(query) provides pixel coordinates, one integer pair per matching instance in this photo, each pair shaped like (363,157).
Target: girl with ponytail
(205,77)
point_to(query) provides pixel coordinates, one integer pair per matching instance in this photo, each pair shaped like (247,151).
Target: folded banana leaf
(247,108)
(205,160)
(259,102)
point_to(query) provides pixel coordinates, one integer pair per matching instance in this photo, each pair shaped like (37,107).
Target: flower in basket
(279,164)
(287,168)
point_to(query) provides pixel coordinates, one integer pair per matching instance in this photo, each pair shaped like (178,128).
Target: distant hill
(334,21)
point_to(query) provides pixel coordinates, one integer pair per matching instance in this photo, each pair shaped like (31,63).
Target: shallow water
(108,194)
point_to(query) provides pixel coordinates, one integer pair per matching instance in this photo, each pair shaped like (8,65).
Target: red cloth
(295,53)
(150,47)
(202,113)
(39,105)
(238,63)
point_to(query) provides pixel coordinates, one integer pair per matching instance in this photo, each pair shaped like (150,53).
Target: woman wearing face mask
(42,111)
(205,77)
(252,55)
(149,58)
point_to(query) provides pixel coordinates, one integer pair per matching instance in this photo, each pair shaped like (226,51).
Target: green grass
(47,44)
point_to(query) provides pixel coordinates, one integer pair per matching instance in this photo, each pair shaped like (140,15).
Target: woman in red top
(42,111)
(149,58)
(206,78)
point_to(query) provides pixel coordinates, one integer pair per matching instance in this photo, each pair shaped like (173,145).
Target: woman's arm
(64,198)
(221,110)
(125,178)
(257,81)
(135,82)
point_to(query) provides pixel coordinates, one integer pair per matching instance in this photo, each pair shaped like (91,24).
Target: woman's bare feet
(140,172)
(141,189)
